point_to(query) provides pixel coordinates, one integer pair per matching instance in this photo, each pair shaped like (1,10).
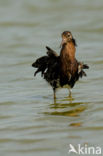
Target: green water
(31,123)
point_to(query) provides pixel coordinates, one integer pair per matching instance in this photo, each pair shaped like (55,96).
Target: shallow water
(31,123)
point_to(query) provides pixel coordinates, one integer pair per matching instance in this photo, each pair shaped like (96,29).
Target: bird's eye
(68,35)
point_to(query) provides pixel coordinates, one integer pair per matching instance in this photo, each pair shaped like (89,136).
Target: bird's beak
(63,42)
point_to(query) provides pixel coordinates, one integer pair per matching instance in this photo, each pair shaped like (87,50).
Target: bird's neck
(68,52)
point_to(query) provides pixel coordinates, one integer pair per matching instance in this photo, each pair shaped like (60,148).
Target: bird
(61,70)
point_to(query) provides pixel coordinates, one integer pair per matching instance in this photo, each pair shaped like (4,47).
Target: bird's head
(67,37)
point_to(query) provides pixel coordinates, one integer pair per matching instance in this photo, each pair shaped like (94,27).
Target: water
(31,123)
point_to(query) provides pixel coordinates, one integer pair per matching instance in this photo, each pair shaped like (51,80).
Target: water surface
(31,123)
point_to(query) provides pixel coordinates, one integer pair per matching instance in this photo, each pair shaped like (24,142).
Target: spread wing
(51,52)
(48,65)
(81,67)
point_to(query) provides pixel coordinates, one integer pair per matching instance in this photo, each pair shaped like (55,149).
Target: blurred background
(31,123)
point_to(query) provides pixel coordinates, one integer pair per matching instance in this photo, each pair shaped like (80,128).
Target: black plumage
(63,69)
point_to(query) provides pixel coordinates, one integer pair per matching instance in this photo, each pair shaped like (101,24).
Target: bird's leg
(54,92)
(70,93)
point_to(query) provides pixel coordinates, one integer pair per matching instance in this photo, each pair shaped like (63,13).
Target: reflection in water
(30,124)
(63,107)
(78,124)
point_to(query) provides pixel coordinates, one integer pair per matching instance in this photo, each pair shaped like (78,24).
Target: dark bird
(61,70)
